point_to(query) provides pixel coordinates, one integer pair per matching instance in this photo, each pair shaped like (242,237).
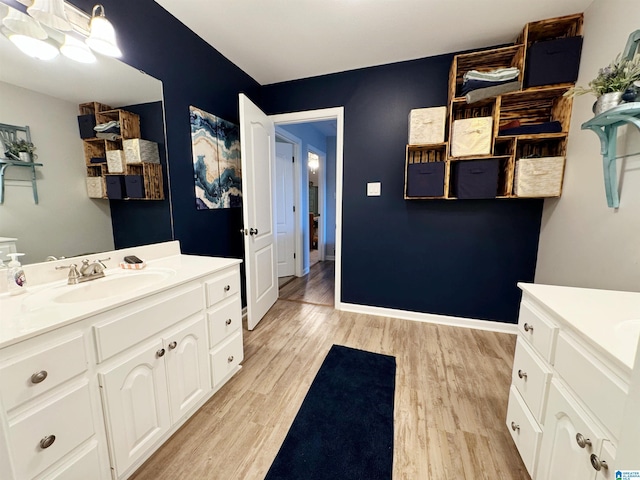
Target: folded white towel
(494,75)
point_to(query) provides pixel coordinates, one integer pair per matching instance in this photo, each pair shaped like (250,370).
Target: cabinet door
(136,403)
(187,366)
(561,455)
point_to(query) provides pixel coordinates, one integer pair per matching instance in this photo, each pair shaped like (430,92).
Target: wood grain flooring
(452,386)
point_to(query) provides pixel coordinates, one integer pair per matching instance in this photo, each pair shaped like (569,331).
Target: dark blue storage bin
(134,186)
(86,124)
(553,61)
(425,179)
(115,186)
(474,179)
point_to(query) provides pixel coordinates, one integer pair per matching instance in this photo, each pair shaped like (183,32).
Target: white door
(284,210)
(187,360)
(257,137)
(135,396)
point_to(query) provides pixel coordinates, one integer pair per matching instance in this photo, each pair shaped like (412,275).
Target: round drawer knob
(522,374)
(39,377)
(581,441)
(160,353)
(230,359)
(47,441)
(228,322)
(598,464)
(528,328)
(515,426)
(173,345)
(227,288)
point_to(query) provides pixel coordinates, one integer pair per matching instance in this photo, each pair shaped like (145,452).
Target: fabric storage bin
(471,136)
(137,150)
(95,187)
(538,177)
(115,186)
(475,178)
(115,161)
(134,186)
(426,125)
(553,61)
(85,125)
(425,179)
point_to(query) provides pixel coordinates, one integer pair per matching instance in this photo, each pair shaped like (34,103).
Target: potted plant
(22,150)
(611,83)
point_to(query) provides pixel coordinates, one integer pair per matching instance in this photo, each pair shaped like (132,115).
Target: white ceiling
(280,40)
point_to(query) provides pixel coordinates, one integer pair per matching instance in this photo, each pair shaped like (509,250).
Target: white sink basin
(113,285)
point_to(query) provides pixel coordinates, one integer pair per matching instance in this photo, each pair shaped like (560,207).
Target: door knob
(253,231)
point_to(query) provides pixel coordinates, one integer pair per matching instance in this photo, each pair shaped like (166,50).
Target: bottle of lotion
(16,280)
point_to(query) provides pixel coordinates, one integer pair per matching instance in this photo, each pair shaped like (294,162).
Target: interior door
(284,209)
(257,137)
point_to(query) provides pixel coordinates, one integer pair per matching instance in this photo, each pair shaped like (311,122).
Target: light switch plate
(373,189)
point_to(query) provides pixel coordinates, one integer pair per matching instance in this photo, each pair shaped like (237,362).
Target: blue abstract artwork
(216,161)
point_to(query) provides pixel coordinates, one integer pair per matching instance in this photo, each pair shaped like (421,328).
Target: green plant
(616,77)
(14,148)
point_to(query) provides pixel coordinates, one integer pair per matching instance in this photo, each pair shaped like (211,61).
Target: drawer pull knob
(39,377)
(581,441)
(228,322)
(598,464)
(160,353)
(47,441)
(227,288)
(230,359)
(173,345)
(528,328)
(522,374)
(515,426)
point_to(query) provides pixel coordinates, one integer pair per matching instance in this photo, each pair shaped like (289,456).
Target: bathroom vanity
(572,370)
(95,377)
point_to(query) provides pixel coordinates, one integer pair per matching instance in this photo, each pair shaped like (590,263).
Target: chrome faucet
(88,271)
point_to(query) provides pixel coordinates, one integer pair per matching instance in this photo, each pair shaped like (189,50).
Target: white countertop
(609,320)
(28,315)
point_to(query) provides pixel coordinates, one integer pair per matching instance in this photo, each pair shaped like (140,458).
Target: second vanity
(572,372)
(95,377)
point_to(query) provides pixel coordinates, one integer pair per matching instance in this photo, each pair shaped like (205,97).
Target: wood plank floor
(452,386)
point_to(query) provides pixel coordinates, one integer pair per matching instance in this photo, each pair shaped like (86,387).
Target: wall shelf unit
(12,133)
(528,107)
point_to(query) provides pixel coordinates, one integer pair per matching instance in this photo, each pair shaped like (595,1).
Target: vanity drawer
(52,419)
(539,331)
(226,358)
(598,387)
(224,320)
(524,430)
(531,377)
(223,286)
(130,327)
(86,466)
(27,376)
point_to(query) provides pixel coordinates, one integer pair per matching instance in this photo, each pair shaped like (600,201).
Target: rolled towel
(101,127)
(108,136)
(488,92)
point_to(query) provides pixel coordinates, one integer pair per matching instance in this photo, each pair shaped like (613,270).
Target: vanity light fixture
(50,13)
(76,50)
(102,37)
(40,49)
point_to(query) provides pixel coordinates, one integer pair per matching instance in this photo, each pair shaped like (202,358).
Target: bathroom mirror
(45,96)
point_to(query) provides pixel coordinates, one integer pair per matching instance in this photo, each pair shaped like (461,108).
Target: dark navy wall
(460,258)
(192,73)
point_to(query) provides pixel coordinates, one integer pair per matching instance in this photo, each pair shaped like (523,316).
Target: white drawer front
(68,418)
(85,467)
(226,358)
(540,332)
(524,430)
(25,377)
(225,320)
(598,388)
(223,286)
(115,336)
(531,377)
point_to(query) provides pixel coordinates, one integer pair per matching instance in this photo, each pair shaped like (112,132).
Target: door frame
(337,114)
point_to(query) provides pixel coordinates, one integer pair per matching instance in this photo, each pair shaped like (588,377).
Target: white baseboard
(431,318)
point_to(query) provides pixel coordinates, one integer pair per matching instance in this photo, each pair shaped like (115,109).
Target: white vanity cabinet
(91,398)
(568,394)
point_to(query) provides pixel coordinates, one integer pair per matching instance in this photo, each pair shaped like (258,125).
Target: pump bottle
(16,280)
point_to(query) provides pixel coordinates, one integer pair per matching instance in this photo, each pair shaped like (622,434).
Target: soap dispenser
(16,280)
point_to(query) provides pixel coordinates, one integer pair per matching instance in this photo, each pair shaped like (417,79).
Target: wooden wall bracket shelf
(11,133)
(605,125)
